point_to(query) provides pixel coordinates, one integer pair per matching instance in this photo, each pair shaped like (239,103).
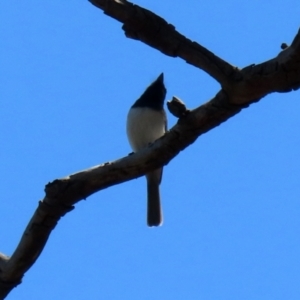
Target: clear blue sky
(231,200)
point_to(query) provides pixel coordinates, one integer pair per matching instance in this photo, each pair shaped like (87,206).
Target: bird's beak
(160,77)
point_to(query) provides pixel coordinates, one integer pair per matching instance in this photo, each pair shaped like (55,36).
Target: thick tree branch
(240,88)
(142,24)
(261,79)
(280,74)
(62,194)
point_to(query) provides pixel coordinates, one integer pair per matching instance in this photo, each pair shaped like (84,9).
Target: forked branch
(240,88)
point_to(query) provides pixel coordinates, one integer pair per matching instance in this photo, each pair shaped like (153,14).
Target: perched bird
(146,122)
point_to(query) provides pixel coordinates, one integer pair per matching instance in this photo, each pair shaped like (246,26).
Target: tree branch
(142,24)
(280,74)
(240,88)
(63,193)
(261,79)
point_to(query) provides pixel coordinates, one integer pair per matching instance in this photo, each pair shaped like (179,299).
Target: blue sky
(231,200)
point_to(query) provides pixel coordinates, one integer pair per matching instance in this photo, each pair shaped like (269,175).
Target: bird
(146,122)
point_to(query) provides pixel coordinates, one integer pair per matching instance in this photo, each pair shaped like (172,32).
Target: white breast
(144,126)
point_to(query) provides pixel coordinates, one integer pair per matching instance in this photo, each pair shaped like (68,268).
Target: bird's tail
(154,211)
